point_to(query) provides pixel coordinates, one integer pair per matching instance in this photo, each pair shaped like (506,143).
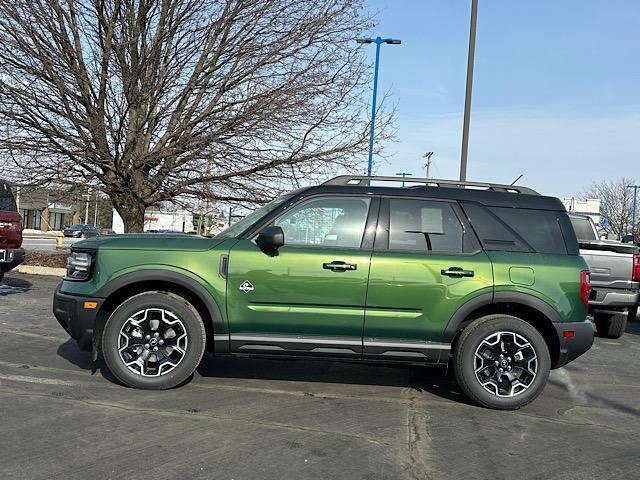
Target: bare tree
(148,100)
(615,203)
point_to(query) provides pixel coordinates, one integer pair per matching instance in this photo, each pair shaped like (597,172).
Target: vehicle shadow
(70,352)
(633,328)
(432,380)
(12,285)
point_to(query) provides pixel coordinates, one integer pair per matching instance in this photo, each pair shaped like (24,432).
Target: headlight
(79,265)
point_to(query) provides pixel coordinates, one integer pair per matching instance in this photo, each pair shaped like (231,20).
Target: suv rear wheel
(154,340)
(501,362)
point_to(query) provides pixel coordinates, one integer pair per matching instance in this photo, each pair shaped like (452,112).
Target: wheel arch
(130,284)
(531,309)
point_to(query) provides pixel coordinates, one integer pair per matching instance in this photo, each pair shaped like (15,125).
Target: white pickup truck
(615,278)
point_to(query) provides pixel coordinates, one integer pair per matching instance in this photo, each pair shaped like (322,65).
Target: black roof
(489,194)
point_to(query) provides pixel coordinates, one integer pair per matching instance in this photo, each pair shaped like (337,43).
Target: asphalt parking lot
(258,419)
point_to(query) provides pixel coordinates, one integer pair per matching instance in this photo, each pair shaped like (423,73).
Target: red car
(11,255)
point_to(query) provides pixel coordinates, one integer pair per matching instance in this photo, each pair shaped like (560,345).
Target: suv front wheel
(501,362)
(153,340)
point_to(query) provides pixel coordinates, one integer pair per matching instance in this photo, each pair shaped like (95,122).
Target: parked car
(615,278)
(485,277)
(107,231)
(81,230)
(11,255)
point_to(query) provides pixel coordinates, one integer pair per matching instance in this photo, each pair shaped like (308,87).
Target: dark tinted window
(7,202)
(582,227)
(492,232)
(424,225)
(539,228)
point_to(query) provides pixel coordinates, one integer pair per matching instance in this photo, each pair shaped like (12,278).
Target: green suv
(484,277)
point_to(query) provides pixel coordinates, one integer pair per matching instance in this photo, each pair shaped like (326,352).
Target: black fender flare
(159,275)
(456,322)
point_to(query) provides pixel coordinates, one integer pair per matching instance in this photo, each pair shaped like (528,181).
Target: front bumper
(571,347)
(77,320)
(10,258)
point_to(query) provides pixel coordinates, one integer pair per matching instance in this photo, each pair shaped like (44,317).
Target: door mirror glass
(270,238)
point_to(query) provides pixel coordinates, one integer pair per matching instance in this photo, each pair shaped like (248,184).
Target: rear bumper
(78,321)
(571,347)
(605,298)
(10,258)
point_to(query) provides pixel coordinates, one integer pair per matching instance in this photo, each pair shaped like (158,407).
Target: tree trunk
(132,216)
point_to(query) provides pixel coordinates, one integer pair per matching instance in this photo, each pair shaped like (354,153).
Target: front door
(426,263)
(309,297)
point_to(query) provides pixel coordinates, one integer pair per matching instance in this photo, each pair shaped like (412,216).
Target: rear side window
(7,202)
(521,229)
(539,228)
(422,225)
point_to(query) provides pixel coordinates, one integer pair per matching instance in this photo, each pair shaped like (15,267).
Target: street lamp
(378,41)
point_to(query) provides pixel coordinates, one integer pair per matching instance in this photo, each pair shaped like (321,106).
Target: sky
(556,93)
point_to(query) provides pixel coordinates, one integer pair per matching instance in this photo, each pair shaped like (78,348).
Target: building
(161,218)
(589,207)
(45,209)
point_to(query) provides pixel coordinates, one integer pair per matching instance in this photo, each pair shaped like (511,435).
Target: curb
(38,270)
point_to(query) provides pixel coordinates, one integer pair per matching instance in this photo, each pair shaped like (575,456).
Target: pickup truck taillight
(585,287)
(10,226)
(636,267)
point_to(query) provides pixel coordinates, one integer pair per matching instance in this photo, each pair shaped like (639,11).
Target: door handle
(457,272)
(339,266)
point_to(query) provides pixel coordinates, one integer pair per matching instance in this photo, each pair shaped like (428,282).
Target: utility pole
(633,213)
(95,213)
(404,174)
(427,163)
(86,208)
(467,97)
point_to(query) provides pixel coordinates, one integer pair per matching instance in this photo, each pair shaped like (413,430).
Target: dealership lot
(263,419)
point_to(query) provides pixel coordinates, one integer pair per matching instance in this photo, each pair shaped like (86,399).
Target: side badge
(246,286)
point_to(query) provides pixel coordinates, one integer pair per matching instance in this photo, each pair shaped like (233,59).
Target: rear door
(426,263)
(309,297)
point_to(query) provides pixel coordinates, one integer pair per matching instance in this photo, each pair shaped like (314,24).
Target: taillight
(10,225)
(585,287)
(636,267)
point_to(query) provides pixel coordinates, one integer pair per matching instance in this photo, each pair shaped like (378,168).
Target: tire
(610,325)
(633,314)
(514,338)
(179,345)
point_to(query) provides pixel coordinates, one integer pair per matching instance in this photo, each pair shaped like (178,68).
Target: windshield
(583,228)
(241,225)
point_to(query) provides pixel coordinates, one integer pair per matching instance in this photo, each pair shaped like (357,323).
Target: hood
(149,241)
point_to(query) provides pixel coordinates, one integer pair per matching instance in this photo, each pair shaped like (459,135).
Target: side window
(424,225)
(326,221)
(539,228)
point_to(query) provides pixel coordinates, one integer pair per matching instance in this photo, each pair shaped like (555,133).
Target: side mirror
(270,239)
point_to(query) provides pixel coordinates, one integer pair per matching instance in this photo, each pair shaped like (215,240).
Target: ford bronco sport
(484,277)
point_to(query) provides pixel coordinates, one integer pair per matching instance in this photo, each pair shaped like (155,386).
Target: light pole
(467,97)
(378,41)
(633,213)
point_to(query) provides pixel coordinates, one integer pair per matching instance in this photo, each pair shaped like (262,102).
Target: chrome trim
(408,345)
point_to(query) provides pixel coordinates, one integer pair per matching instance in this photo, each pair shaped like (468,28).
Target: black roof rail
(363,180)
